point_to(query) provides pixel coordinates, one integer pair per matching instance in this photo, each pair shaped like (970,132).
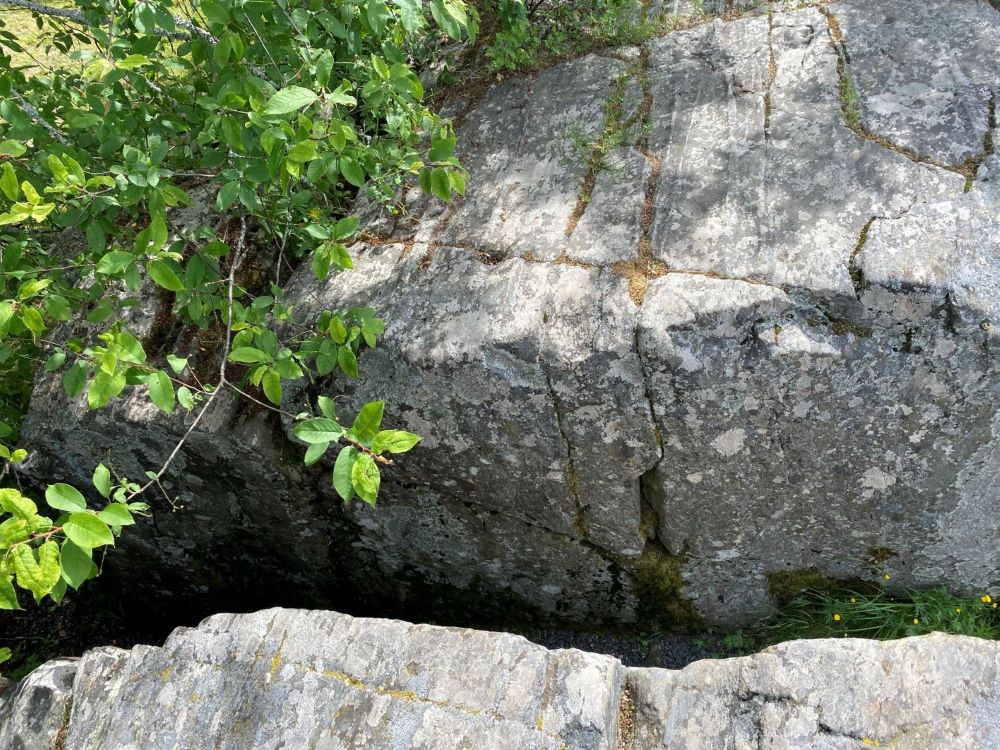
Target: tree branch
(79,17)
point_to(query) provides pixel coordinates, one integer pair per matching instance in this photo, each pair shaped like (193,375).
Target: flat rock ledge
(308,680)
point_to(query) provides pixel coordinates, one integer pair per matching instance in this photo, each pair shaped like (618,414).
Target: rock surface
(761,340)
(312,680)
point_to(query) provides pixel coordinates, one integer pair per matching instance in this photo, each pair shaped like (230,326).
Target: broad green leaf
(165,276)
(8,596)
(440,184)
(18,505)
(271,384)
(289,100)
(348,361)
(185,398)
(352,172)
(103,388)
(394,441)
(12,148)
(161,391)
(57,360)
(76,563)
(342,481)
(32,320)
(346,227)
(318,431)
(8,182)
(314,453)
(227,196)
(116,514)
(327,407)
(177,364)
(57,308)
(86,530)
(37,575)
(411,13)
(248,355)
(366,424)
(64,497)
(102,480)
(366,478)
(75,378)
(114,261)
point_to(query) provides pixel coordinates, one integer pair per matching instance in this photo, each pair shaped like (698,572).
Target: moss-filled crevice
(785,585)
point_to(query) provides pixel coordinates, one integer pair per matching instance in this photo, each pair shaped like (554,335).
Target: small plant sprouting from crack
(853,267)
(597,153)
(850,101)
(772,74)
(970,166)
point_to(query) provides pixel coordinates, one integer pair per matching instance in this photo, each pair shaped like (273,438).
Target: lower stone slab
(314,680)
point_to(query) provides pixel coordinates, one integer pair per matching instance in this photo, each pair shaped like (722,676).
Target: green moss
(879,555)
(785,585)
(659,582)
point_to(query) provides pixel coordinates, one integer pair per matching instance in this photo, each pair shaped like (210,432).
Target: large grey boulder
(314,680)
(762,340)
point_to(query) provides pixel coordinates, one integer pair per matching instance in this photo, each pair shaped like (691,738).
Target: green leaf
(86,530)
(440,184)
(342,469)
(57,308)
(103,388)
(57,360)
(318,431)
(102,480)
(348,361)
(12,148)
(346,227)
(185,398)
(327,407)
(411,14)
(271,384)
(366,478)
(177,364)
(227,195)
(247,355)
(394,441)
(116,514)
(366,424)
(75,378)
(18,505)
(314,453)
(8,596)
(114,261)
(8,182)
(289,100)
(161,391)
(64,497)
(36,575)
(165,276)
(76,564)
(352,171)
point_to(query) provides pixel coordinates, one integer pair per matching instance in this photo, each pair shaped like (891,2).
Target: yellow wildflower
(887,576)
(853,600)
(313,213)
(986,599)
(916,620)
(836,617)
(958,610)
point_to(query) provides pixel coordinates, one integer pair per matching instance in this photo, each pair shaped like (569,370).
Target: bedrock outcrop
(312,680)
(758,337)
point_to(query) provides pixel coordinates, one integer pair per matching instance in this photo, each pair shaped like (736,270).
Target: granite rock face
(761,338)
(313,680)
